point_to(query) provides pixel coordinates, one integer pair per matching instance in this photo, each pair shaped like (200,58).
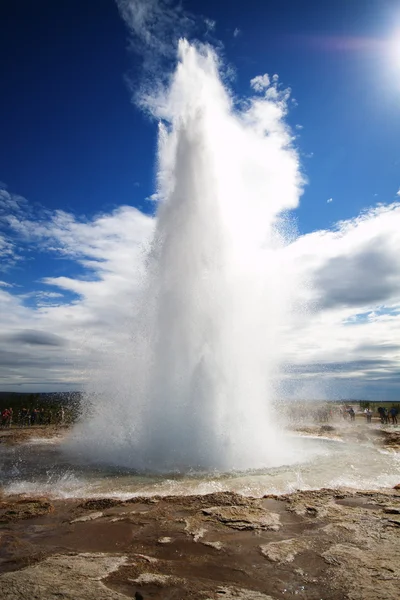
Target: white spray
(194,386)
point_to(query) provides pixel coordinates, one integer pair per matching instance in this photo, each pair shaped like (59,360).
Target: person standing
(368,414)
(386,416)
(393,414)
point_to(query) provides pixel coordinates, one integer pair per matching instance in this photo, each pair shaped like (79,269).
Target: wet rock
(213,499)
(343,553)
(27,508)
(143,500)
(100,504)
(149,559)
(314,504)
(339,529)
(244,517)
(392,510)
(66,576)
(38,528)
(155,579)
(90,517)
(233,593)
(198,534)
(193,528)
(217,545)
(284,551)
(351,552)
(394,522)
(368,570)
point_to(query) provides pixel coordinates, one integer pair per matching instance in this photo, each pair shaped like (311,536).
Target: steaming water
(183,404)
(192,386)
(41,467)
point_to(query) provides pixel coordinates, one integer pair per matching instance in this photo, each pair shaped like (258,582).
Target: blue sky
(72,140)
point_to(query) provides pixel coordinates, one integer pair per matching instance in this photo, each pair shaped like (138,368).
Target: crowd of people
(28,417)
(386,415)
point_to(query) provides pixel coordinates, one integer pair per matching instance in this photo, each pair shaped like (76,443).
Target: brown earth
(326,544)
(315,545)
(19,435)
(385,437)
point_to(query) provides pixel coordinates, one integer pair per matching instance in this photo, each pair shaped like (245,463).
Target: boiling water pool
(42,467)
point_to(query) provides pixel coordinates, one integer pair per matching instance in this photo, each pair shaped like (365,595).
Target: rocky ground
(315,545)
(387,437)
(326,544)
(19,435)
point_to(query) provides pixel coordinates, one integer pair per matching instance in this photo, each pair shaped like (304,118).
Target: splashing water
(193,387)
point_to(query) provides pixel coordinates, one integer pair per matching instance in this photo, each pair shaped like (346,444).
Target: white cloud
(8,253)
(10,202)
(12,206)
(43,294)
(110,249)
(260,82)
(329,200)
(398,192)
(236,32)
(42,297)
(154,197)
(348,344)
(210,24)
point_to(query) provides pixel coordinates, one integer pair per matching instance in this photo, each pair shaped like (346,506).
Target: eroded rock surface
(330,544)
(231,593)
(244,517)
(24,508)
(63,576)
(285,550)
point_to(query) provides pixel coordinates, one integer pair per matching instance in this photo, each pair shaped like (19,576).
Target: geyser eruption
(193,388)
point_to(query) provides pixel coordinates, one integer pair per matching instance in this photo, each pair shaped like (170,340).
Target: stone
(193,529)
(217,545)
(27,508)
(233,593)
(149,559)
(90,517)
(392,510)
(100,504)
(154,578)
(283,551)
(66,576)
(242,517)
